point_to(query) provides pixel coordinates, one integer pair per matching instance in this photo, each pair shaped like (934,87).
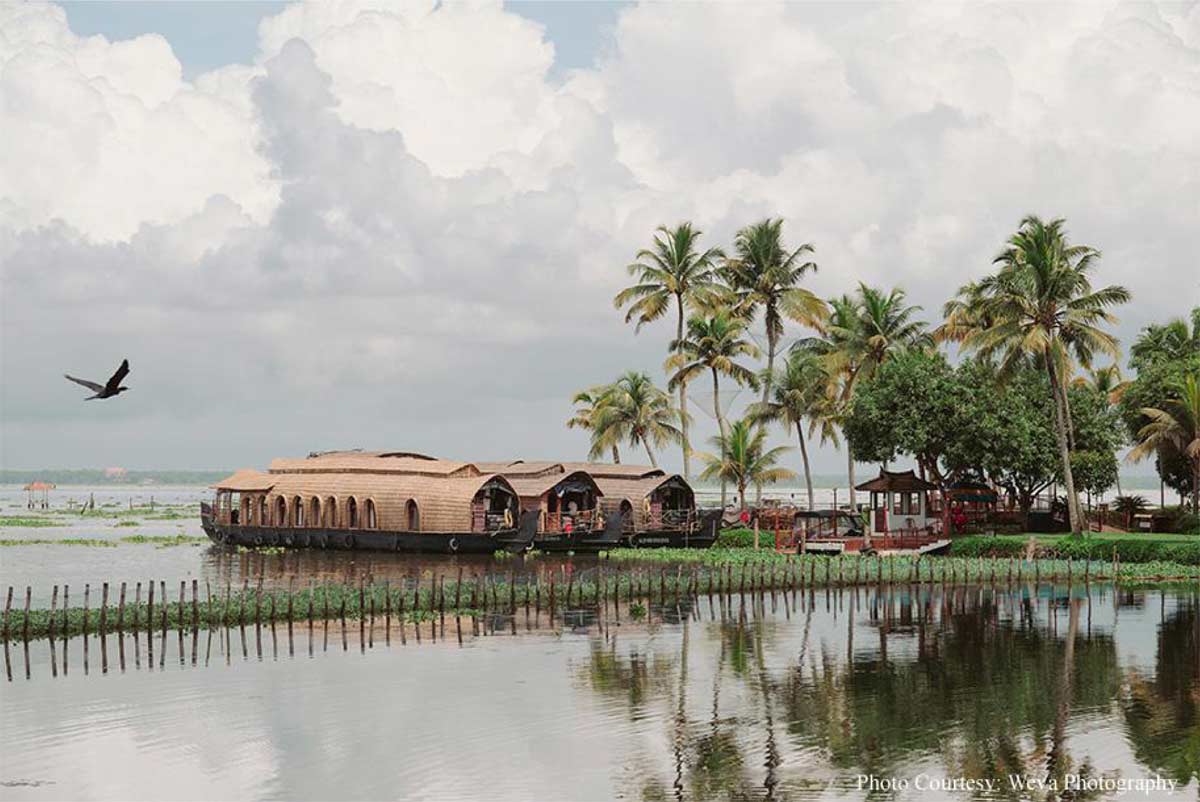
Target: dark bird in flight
(113,387)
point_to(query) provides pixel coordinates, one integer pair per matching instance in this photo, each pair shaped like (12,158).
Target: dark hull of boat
(516,539)
(704,536)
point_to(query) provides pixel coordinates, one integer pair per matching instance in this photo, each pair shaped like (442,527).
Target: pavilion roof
(896,481)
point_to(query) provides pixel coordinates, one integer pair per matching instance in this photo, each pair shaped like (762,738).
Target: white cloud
(394,228)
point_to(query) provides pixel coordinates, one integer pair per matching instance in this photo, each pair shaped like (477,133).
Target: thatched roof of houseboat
(615,471)
(535,486)
(381,462)
(521,468)
(444,502)
(246,480)
(896,482)
(634,489)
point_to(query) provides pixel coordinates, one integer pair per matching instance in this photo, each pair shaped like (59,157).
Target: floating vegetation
(128,523)
(67,541)
(167,540)
(30,522)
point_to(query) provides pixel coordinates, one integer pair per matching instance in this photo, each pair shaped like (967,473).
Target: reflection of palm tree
(1058,760)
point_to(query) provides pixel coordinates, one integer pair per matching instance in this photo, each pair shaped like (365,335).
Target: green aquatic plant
(67,541)
(30,522)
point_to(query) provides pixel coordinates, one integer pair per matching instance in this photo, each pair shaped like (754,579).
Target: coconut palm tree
(638,412)
(1175,426)
(765,275)
(713,344)
(1040,305)
(743,459)
(1172,340)
(800,396)
(588,404)
(1106,380)
(863,331)
(674,272)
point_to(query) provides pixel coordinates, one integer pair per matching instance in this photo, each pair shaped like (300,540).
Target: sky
(338,225)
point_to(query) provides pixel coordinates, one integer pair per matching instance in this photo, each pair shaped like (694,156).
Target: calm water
(791,696)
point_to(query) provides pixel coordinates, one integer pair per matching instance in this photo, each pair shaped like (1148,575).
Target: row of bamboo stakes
(485,594)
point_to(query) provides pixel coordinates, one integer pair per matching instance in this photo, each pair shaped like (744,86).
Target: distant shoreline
(98,477)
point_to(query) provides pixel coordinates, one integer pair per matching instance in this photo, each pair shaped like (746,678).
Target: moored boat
(394,501)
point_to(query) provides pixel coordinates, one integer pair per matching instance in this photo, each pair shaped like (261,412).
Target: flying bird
(113,387)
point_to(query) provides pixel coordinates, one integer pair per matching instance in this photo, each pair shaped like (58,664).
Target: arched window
(412,515)
(314,513)
(372,523)
(280,511)
(352,512)
(331,516)
(260,517)
(297,511)
(245,509)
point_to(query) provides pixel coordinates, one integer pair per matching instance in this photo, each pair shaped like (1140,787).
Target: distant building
(115,473)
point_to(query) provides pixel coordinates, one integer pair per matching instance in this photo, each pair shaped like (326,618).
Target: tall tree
(673,272)
(639,413)
(765,274)
(799,397)
(743,459)
(713,344)
(1040,304)
(863,332)
(1172,341)
(1174,425)
(588,405)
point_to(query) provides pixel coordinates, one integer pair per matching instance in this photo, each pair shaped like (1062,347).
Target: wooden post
(552,597)
(195,605)
(458,590)
(162,587)
(121,609)
(65,623)
(182,594)
(103,609)
(512,593)
(28,598)
(7,611)
(442,595)
(400,616)
(53,610)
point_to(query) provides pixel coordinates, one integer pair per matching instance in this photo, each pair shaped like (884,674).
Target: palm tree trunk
(649,453)
(616,455)
(853,503)
(720,425)
(766,394)
(683,416)
(1064,450)
(804,458)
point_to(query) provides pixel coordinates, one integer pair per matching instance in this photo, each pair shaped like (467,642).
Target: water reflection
(784,696)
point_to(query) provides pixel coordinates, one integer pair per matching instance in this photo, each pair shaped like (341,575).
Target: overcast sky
(351,225)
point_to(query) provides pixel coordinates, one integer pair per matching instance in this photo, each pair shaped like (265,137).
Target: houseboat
(567,504)
(656,508)
(639,506)
(395,501)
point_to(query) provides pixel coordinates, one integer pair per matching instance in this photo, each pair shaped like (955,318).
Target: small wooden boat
(392,501)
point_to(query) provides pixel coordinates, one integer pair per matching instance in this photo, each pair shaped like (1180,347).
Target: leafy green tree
(638,412)
(910,406)
(673,272)
(1040,305)
(743,459)
(863,332)
(1174,426)
(713,344)
(1159,374)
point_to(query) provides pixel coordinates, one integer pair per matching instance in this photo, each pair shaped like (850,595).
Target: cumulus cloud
(394,228)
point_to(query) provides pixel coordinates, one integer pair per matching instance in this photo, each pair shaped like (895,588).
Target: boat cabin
(565,502)
(899,503)
(396,491)
(652,503)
